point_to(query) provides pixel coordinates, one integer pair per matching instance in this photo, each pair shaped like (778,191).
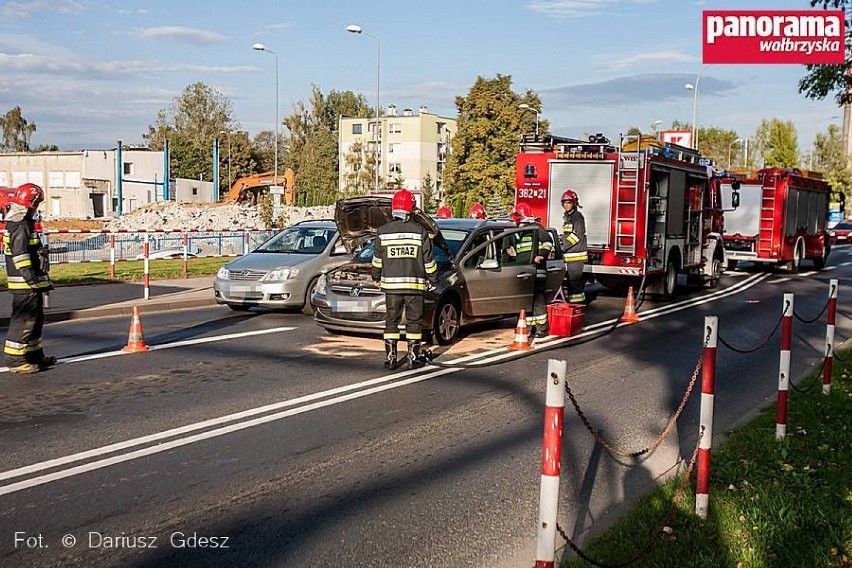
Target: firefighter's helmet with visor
(402,203)
(29,195)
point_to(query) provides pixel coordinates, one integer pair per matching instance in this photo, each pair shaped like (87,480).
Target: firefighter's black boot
(391,354)
(416,359)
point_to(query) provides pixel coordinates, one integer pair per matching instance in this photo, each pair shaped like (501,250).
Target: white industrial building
(82,184)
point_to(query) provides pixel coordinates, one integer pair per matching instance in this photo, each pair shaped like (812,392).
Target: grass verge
(98,272)
(772,504)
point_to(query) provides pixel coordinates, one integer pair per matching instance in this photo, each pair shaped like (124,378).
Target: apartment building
(82,184)
(410,144)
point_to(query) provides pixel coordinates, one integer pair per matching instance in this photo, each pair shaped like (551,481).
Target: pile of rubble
(201,216)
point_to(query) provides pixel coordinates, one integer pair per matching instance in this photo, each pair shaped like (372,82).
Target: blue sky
(90,72)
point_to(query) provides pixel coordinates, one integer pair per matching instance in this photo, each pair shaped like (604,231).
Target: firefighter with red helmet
(404,269)
(27,270)
(477,211)
(574,245)
(536,249)
(444,213)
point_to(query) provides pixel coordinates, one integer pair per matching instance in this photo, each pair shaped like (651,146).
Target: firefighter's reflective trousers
(23,340)
(574,277)
(413,306)
(538,315)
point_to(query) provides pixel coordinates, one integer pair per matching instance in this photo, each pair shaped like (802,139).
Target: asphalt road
(260,440)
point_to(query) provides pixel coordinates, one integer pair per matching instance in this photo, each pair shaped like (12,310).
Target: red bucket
(565,319)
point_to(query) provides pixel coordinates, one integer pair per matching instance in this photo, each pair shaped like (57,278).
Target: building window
(357,128)
(194,191)
(128,168)
(394,167)
(394,148)
(395,128)
(55,207)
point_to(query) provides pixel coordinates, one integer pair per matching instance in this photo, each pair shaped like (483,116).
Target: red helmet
(571,195)
(477,211)
(29,195)
(445,213)
(522,213)
(402,203)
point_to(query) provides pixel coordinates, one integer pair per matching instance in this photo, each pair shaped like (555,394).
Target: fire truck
(781,219)
(653,210)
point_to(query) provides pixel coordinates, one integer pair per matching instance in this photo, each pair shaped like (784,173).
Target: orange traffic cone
(135,343)
(630,315)
(522,337)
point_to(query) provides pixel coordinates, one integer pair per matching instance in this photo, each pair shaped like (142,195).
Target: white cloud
(654,58)
(568,9)
(24,9)
(30,63)
(181,34)
(272,28)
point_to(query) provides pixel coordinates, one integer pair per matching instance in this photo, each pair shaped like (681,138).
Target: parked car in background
(281,272)
(477,280)
(841,233)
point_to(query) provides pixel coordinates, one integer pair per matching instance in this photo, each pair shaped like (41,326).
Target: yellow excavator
(249,188)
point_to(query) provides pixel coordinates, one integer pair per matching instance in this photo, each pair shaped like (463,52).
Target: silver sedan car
(282,272)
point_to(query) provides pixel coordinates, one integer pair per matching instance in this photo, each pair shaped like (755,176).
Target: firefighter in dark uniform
(403,268)
(574,246)
(538,250)
(27,270)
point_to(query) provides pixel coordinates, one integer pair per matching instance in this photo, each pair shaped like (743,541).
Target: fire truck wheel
(447,322)
(819,262)
(798,253)
(715,272)
(670,279)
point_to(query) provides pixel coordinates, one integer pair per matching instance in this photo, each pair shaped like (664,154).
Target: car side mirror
(735,197)
(489,264)
(735,185)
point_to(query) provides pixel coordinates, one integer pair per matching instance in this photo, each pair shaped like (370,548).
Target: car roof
(471,224)
(316,224)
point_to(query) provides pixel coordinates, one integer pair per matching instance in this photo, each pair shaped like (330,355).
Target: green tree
(17,131)
(427,187)
(316,182)
(823,80)
(191,124)
(46,148)
(358,177)
(482,161)
(776,142)
(633,131)
(829,158)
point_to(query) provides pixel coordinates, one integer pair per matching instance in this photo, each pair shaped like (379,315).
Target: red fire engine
(781,219)
(653,211)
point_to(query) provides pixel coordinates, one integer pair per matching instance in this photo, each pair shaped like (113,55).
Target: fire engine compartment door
(593,182)
(674,184)
(745,219)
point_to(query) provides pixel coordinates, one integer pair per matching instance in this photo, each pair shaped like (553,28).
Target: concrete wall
(192,190)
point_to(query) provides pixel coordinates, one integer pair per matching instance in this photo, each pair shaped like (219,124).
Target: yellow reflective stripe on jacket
(545,245)
(431,267)
(35,240)
(572,238)
(408,242)
(402,286)
(574,256)
(403,279)
(377,262)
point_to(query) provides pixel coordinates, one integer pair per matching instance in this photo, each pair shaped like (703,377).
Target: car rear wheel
(447,322)
(239,307)
(308,308)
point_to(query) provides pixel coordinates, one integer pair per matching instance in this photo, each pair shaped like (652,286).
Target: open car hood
(359,218)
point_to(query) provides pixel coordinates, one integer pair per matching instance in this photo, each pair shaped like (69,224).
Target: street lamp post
(354,29)
(228,134)
(525,106)
(655,125)
(276,197)
(731,145)
(694,88)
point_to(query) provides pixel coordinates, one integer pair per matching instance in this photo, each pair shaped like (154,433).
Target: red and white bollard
(551,460)
(829,336)
(185,254)
(246,242)
(708,394)
(112,256)
(147,290)
(784,367)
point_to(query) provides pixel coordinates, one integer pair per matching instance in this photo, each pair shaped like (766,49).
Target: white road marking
(779,280)
(809,273)
(161,346)
(374,386)
(827,268)
(845,263)
(736,273)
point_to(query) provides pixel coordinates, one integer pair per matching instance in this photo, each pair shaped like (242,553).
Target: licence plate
(350,305)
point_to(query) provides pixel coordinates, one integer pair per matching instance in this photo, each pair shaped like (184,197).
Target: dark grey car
(477,280)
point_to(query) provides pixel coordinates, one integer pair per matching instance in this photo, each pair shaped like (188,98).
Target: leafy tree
(358,177)
(633,130)
(829,157)
(427,187)
(482,160)
(191,124)
(822,80)
(776,142)
(46,148)
(17,131)
(316,182)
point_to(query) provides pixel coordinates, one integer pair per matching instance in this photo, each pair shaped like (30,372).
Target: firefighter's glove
(44,259)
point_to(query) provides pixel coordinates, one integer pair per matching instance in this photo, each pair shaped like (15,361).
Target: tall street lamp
(228,134)
(525,106)
(655,125)
(276,197)
(354,29)
(694,88)
(731,145)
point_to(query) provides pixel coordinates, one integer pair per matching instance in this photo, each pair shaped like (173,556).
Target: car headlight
(281,274)
(321,285)
(223,273)
(831,233)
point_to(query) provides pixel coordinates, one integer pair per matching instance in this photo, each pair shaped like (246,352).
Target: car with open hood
(281,272)
(477,280)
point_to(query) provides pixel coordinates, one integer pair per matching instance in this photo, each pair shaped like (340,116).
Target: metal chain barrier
(813,384)
(762,343)
(622,453)
(819,315)
(656,534)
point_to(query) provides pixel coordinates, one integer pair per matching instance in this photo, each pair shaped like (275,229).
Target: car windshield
(455,239)
(299,240)
(843,225)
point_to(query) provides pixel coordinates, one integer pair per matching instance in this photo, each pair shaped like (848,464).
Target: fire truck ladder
(627,196)
(767,214)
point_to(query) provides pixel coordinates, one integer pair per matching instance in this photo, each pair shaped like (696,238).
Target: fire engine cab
(653,210)
(782,219)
